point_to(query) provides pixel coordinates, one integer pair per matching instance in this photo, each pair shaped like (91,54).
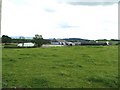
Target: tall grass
(61,67)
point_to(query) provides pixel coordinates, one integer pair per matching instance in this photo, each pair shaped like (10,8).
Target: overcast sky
(60,18)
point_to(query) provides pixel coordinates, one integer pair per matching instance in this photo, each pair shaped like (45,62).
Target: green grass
(13,45)
(60,67)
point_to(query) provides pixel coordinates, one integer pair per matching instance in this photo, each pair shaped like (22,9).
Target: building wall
(55,43)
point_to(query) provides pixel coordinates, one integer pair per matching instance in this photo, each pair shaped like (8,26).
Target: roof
(58,40)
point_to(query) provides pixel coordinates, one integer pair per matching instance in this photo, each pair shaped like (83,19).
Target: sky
(95,19)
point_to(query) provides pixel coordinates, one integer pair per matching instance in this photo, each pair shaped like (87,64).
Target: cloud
(66,25)
(54,19)
(92,3)
(67,1)
(49,10)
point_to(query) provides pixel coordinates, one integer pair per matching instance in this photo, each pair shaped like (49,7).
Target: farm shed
(26,44)
(58,42)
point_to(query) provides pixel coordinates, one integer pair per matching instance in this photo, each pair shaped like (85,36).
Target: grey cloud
(66,25)
(49,10)
(91,3)
(87,0)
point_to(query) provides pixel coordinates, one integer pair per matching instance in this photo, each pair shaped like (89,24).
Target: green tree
(38,40)
(6,39)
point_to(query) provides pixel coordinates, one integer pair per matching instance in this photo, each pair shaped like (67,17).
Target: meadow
(60,67)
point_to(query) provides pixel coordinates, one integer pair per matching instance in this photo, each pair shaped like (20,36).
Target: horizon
(30,37)
(60,19)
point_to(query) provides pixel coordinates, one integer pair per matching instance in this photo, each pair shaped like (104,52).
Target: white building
(71,43)
(26,44)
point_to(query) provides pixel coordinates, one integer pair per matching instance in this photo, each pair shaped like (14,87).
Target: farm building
(76,43)
(95,43)
(54,42)
(58,42)
(26,44)
(61,42)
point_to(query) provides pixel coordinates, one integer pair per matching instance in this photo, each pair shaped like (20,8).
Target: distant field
(60,67)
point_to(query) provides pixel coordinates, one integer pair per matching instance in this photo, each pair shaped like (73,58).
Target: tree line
(37,39)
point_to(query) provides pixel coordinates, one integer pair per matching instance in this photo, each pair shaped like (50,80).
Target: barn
(26,44)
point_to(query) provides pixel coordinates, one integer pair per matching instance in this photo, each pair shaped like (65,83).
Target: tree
(6,39)
(38,40)
(22,40)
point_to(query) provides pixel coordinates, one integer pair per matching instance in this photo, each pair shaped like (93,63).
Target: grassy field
(60,67)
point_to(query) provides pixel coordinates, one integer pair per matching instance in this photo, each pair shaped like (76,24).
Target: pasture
(60,67)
